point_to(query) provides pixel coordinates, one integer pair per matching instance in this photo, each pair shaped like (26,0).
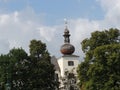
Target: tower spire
(67,48)
(66,33)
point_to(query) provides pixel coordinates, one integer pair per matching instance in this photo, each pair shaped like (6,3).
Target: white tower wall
(68,63)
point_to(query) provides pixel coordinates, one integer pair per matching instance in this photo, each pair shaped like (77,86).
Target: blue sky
(55,10)
(24,20)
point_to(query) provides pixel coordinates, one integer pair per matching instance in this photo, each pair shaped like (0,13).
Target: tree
(42,71)
(13,69)
(4,61)
(101,67)
(19,69)
(37,48)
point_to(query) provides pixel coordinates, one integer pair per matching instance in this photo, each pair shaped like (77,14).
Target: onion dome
(67,48)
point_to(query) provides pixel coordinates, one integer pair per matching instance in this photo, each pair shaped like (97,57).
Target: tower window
(70,63)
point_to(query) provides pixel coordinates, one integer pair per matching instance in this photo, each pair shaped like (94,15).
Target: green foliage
(41,69)
(37,48)
(4,62)
(23,72)
(100,38)
(12,67)
(19,72)
(101,67)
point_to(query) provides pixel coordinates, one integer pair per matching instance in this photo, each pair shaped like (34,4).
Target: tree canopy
(20,71)
(100,69)
(42,71)
(13,69)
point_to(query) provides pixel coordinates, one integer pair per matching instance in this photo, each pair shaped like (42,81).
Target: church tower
(68,62)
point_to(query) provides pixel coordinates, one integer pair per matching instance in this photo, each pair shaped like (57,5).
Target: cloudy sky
(24,20)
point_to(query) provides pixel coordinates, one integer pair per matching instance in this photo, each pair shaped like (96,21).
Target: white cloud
(47,32)
(19,28)
(4,46)
(108,4)
(112,13)
(82,28)
(3,19)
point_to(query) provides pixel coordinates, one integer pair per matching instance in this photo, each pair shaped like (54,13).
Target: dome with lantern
(67,48)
